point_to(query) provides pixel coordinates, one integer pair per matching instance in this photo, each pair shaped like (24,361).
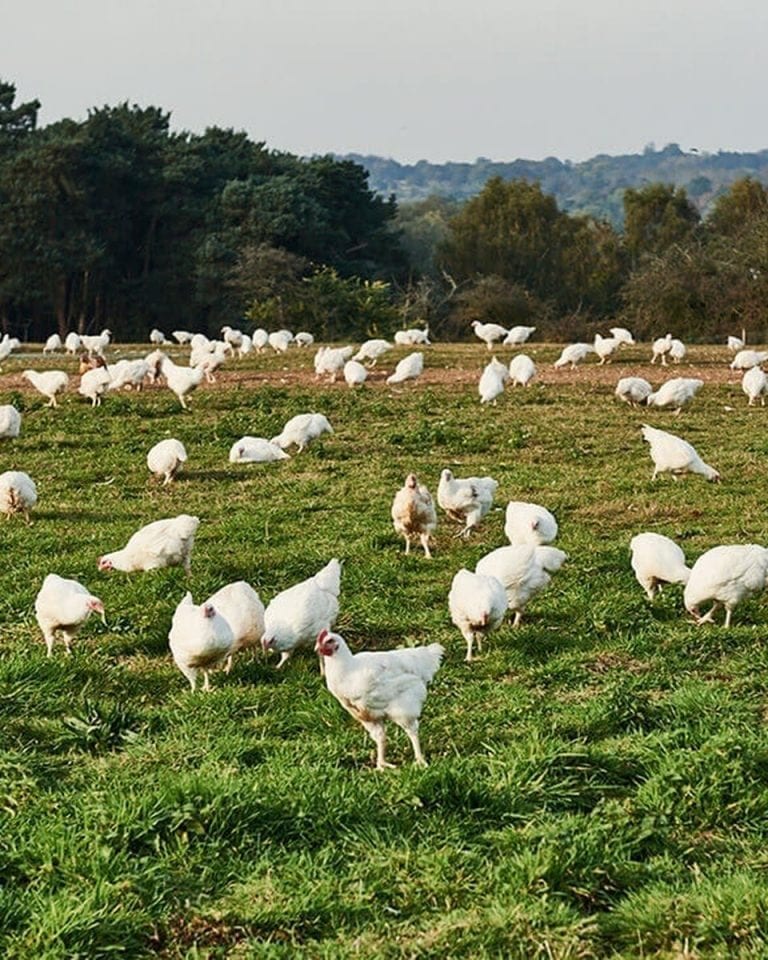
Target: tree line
(117,221)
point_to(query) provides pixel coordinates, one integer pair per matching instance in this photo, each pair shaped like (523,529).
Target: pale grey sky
(445,80)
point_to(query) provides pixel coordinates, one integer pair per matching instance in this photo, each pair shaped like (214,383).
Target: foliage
(655,217)
(115,221)
(593,187)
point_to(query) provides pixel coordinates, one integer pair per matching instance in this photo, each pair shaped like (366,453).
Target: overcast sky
(444,80)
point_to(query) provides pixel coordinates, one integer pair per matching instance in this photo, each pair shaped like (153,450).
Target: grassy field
(598,779)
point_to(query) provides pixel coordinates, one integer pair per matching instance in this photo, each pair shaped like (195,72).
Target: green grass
(598,779)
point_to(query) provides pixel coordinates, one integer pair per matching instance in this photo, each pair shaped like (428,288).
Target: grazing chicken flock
(384,685)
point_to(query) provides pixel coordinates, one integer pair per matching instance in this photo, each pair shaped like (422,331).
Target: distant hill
(594,186)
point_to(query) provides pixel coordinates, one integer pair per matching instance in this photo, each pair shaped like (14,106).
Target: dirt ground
(444,364)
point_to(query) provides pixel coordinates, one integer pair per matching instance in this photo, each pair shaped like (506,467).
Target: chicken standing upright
(488,332)
(381,685)
(477,604)
(466,501)
(413,513)
(295,616)
(164,543)
(48,382)
(62,607)
(200,639)
(181,380)
(726,575)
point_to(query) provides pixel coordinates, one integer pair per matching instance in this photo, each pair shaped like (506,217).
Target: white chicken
(677,350)
(622,335)
(94,384)
(413,513)
(529,523)
(157,337)
(734,344)
(301,430)
(181,380)
(605,347)
(355,373)
(166,458)
(375,686)
(246,345)
(755,384)
(746,359)
(412,337)
(633,390)
(260,339)
(200,640)
(371,350)
(72,342)
(62,607)
(163,543)
(234,338)
(726,575)
(256,450)
(660,348)
(243,610)
(574,353)
(18,493)
(477,604)
(10,422)
(96,344)
(489,333)
(280,340)
(213,360)
(517,335)
(657,559)
(182,337)
(304,339)
(466,501)
(329,361)
(521,370)
(524,570)
(296,616)
(676,393)
(128,373)
(492,381)
(48,382)
(672,454)
(409,368)
(52,344)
